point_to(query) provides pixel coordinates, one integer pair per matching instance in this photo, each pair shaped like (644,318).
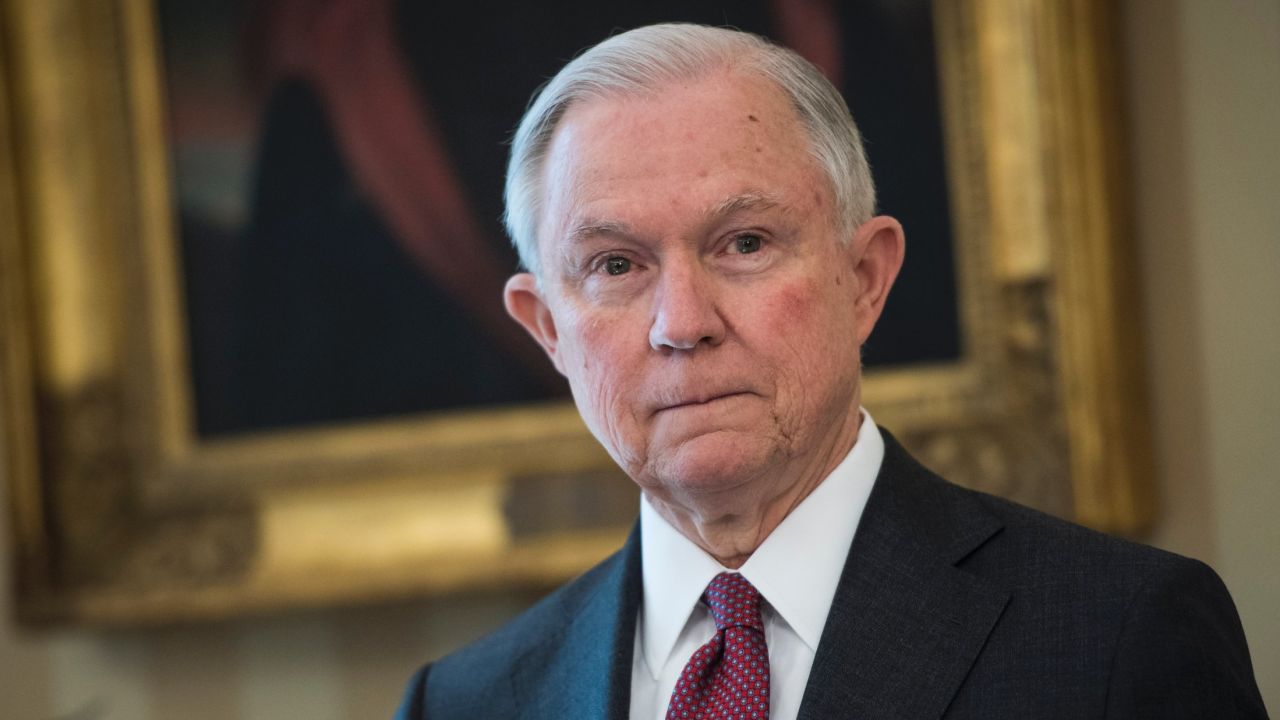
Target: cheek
(787,333)
(586,360)
(795,302)
(793,316)
(599,365)
(812,330)
(597,349)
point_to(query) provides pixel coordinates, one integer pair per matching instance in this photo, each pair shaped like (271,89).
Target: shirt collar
(818,531)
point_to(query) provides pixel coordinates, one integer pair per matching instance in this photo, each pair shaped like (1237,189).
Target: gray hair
(642,60)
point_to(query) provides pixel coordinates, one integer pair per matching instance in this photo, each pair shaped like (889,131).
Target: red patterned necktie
(728,678)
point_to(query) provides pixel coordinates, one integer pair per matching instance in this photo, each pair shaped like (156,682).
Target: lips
(695,399)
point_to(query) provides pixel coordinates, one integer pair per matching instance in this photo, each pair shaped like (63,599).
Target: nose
(685,311)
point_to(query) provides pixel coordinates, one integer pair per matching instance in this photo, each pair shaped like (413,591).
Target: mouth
(699,400)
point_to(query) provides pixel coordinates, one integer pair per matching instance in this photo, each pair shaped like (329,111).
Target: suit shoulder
(1130,630)
(412,706)
(476,680)
(1069,542)
(993,536)
(973,528)
(1182,650)
(1058,544)
(544,618)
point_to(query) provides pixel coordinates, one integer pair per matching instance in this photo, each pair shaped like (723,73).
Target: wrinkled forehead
(738,129)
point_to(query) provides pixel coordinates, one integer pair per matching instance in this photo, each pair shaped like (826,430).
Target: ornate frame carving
(119,514)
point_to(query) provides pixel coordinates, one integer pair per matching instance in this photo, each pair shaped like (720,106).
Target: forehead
(683,147)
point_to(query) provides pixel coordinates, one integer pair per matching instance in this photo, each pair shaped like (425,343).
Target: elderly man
(697,219)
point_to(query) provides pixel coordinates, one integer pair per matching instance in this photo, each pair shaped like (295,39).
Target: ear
(877,249)
(527,306)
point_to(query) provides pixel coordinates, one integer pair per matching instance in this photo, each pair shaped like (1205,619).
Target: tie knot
(734,602)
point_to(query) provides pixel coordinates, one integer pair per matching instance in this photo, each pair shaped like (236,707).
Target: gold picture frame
(120,515)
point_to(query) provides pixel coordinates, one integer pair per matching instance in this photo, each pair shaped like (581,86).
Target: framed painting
(252,353)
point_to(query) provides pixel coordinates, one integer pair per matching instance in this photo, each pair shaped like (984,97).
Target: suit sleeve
(1182,651)
(414,704)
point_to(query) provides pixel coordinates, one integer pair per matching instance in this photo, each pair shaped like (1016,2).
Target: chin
(717,462)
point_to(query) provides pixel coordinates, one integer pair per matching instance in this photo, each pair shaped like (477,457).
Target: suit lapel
(585,671)
(906,624)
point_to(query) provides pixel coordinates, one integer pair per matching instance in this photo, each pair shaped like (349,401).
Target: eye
(747,243)
(617,265)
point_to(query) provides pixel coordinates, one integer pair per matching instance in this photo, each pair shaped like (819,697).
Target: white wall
(1204,83)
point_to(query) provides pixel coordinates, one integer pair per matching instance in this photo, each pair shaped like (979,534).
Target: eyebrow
(591,228)
(739,203)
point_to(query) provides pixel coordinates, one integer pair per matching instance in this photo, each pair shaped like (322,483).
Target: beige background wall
(1204,83)
(1204,80)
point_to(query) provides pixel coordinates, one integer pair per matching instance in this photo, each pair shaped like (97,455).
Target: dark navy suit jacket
(952,604)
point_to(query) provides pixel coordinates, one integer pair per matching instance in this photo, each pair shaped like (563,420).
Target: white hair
(644,59)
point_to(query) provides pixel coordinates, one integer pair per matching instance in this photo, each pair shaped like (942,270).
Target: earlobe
(525,304)
(879,246)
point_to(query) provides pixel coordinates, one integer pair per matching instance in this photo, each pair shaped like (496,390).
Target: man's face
(695,290)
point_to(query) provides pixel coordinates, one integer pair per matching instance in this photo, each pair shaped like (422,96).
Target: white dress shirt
(795,569)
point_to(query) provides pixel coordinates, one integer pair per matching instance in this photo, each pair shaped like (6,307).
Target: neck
(731,528)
